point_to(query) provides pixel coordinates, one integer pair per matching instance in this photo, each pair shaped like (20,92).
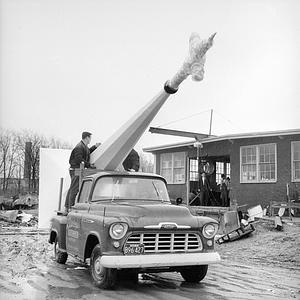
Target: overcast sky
(74,65)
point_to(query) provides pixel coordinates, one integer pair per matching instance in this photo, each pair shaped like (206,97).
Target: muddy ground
(265,265)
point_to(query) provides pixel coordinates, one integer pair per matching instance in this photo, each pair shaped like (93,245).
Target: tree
(8,153)
(20,155)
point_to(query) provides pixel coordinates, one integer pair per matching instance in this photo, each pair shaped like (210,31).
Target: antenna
(210,124)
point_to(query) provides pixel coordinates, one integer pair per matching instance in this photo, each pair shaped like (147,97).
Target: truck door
(92,220)
(74,239)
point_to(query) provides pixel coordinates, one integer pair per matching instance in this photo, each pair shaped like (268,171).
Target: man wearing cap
(81,153)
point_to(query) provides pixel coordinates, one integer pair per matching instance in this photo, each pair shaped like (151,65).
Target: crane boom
(113,151)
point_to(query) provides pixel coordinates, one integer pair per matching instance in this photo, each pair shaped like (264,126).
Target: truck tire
(104,278)
(194,274)
(60,256)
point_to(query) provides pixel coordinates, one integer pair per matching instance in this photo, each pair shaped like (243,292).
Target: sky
(68,66)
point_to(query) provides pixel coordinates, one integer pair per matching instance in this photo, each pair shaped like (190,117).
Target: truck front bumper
(159,260)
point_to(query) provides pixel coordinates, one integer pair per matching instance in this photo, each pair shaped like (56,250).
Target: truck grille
(166,242)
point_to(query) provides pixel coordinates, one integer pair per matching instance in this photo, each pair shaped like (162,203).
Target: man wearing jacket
(204,190)
(81,153)
(132,161)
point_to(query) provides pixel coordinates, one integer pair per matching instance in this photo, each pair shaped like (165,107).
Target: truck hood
(139,215)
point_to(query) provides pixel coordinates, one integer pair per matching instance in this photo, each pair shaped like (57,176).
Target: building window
(219,171)
(258,163)
(228,170)
(172,167)
(193,169)
(222,168)
(296,161)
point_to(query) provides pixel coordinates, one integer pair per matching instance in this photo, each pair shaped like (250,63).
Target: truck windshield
(129,188)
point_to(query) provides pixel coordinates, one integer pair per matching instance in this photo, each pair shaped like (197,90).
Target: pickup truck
(124,222)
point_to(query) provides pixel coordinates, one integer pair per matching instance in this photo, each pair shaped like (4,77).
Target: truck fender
(92,240)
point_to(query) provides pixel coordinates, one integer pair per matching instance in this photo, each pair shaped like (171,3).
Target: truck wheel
(194,274)
(60,257)
(104,278)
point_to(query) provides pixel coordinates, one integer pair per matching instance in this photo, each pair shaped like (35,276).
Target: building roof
(225,137)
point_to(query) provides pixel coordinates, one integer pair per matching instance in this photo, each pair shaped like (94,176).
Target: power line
(199,113)
(233,124)
(190,116)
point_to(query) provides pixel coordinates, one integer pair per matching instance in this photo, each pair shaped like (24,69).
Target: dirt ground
(265,265)
(267,246)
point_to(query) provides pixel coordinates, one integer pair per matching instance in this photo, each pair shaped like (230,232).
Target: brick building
(260,166)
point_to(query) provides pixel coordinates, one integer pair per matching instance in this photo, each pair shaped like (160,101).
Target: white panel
(255,212)
(54,164)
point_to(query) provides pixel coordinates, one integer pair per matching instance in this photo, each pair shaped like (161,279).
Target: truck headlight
(209,230)
(118,230)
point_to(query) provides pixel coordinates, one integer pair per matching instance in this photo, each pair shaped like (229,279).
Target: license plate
(134,249)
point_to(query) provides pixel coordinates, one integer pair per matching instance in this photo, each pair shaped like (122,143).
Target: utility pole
(211,115)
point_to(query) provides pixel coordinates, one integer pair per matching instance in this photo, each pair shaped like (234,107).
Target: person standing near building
(204,190)
(81,153)
(228,185)
(224,192)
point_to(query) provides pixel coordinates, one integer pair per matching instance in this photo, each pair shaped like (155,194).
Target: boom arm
(112,152)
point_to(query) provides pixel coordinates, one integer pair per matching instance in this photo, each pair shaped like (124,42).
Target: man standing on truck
(81,153)
(132,161)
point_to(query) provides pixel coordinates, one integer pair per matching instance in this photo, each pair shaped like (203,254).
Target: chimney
(27,162)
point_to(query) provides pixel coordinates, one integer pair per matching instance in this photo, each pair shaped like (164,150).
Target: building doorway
(208,194)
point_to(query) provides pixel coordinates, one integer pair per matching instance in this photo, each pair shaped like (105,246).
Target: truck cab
(124,221)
